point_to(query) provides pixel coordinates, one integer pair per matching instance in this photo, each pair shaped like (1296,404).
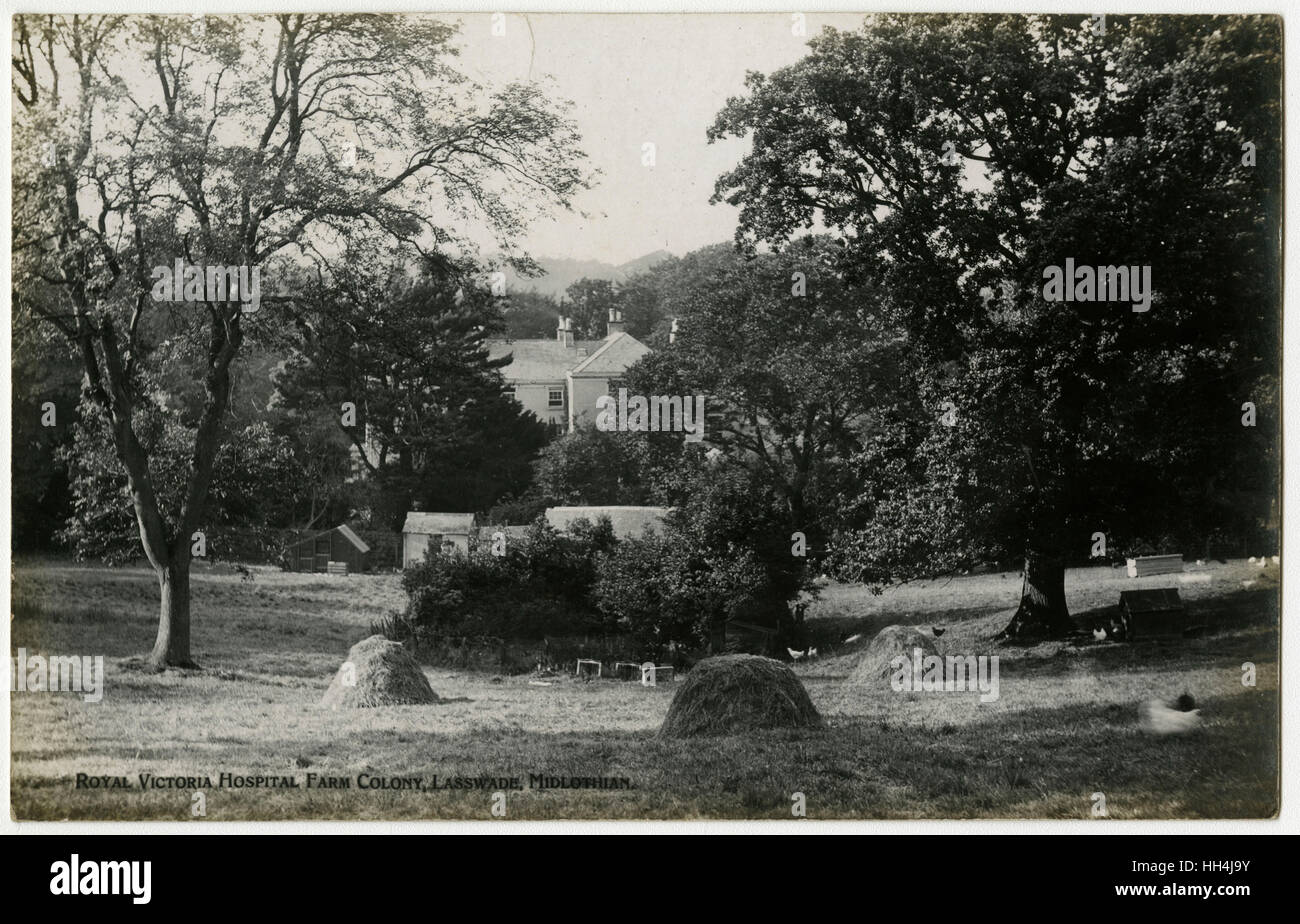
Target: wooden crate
(1154,564)
(337,567)
(1155,613)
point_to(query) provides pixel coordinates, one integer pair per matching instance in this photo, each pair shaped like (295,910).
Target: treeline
(365,397)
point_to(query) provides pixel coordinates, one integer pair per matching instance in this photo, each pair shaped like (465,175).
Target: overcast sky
(636,78)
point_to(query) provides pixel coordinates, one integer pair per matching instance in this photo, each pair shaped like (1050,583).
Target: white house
(559,380)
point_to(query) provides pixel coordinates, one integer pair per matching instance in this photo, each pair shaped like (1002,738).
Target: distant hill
(562,273)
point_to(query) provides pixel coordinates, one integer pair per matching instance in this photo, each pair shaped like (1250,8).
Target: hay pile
(385,675)
(873,666)
(732,694)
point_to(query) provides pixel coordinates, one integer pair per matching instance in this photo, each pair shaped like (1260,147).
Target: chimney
(672,332)
(616,325)
(564,334)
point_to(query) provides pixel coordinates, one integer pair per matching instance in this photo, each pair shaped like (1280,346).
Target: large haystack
(873,667)
(378,673)
(733,694)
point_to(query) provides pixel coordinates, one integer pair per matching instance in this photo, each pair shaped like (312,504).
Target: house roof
(430,524)
(628,522)
(613,358)
(540,360)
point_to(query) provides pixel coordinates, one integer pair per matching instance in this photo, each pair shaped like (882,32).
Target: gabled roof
(540,360)
(613,358)
(435,524)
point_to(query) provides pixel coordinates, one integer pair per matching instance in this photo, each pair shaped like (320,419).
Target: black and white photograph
(717,416)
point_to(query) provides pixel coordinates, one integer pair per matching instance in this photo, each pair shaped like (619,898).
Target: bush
(540,586)
(660,590)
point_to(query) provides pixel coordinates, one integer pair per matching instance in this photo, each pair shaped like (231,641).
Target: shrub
(660,590)
(540,586)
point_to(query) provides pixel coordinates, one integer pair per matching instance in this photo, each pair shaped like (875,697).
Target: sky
(633,79)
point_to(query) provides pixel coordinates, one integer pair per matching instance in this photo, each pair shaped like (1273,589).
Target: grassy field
(1065,726)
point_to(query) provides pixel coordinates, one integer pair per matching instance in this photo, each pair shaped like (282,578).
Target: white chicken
(1156,718)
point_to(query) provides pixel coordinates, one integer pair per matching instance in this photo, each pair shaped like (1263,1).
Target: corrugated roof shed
(438,524)
(628,522)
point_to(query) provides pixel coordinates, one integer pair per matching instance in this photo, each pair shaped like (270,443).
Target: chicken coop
(334,551)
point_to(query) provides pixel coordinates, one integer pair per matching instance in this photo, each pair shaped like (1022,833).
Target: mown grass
(1064,727)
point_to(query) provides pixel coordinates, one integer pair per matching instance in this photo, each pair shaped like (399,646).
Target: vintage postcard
(732,416)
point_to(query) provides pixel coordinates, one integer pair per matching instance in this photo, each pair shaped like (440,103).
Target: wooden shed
(339,546)
(445,532)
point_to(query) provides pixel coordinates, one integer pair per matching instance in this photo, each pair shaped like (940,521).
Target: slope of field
(1063,728)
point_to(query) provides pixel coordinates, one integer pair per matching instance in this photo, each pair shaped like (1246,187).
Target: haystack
(874,664)
(378,673)
(737,693)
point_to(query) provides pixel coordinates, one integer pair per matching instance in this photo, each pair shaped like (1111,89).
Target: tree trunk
(172,647)
(718,636)
(1042,613)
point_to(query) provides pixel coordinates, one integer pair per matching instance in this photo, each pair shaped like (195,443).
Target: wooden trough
(1154,564)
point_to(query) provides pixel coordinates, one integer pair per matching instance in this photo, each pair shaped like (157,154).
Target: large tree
(959,158)
(253,142)
(400,363)
(794,363)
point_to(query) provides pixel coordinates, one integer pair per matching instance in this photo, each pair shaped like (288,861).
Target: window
(555,397)
(510,391)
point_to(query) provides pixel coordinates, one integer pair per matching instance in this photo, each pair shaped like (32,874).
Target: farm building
(444,531)
(628,522)
(339,546)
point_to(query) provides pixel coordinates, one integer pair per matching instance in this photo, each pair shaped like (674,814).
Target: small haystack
(378,673)
(733,694)
(873,665)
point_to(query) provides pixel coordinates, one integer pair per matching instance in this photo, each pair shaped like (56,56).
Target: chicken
(1156,718)
(794,655)
(1099,634)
